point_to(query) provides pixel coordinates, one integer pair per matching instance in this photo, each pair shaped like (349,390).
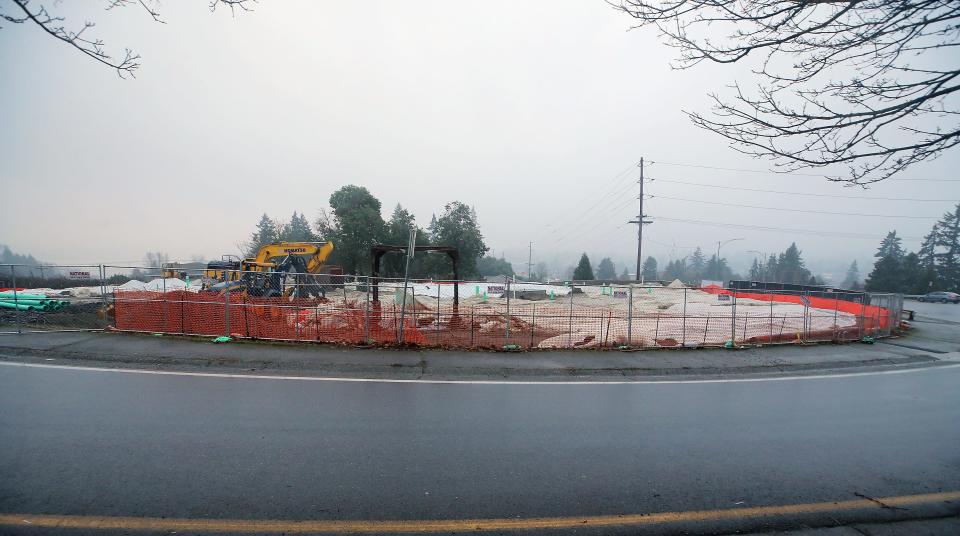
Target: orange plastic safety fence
(303,319)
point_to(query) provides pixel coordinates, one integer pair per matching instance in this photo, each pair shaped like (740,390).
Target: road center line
(457,525)
(476,382)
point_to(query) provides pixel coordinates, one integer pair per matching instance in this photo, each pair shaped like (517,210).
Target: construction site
(288,293)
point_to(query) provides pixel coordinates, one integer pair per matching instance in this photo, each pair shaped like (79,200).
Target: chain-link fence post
(683,337)
(226,313)
(876,322)
(836,313)
(733,318)
(771,318)
(805,327)
(656,331)
(863,313)
(166,306)
(103,296)
(570,320)
(16,301)
(103,286)
(706,328)
(630,316)
(533,324)
(366,315)
(506,335)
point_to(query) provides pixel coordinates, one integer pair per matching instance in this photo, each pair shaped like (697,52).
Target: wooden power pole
(640,221)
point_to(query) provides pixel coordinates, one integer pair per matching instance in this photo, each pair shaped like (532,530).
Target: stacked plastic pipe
(30,302)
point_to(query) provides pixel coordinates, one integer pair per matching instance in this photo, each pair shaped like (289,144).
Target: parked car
(942,297)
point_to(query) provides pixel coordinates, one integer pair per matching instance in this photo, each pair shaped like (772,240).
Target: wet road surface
(94,443)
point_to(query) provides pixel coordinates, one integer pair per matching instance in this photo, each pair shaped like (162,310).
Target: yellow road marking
(454,525)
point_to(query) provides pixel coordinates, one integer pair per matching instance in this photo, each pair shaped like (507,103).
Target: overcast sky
(534,116)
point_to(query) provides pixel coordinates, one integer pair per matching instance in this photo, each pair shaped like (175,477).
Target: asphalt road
(936,327)
(89,443)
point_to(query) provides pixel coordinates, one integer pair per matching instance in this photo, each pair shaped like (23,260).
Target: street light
(723,243)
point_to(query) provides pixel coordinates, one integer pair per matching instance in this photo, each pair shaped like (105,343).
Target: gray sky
(529,114)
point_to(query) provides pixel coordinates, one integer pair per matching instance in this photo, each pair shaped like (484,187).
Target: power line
(781,209)
(572,226)
(600,221)
(781,229)
(873,198)
(701,166)
(618,188)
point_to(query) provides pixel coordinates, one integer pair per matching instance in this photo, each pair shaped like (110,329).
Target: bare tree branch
(92,47)
(897,77)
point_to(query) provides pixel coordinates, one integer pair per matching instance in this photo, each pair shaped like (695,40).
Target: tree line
(355,223)
(935,266)
(785,267)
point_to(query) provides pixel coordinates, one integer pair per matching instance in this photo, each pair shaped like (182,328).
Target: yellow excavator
(278,269)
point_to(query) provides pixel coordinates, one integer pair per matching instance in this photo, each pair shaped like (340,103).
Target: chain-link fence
(52,298)
(454,314)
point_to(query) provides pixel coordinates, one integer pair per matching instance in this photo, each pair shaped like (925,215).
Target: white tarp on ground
(467,290)
(160,285)
(72,292)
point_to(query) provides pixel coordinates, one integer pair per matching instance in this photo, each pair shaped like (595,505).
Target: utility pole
(640,221)
(530,262)
(722,243)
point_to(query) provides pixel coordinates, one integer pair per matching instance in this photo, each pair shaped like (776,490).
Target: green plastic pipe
(28,301)
(6,295)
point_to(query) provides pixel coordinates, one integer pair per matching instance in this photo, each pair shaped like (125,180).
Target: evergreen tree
(624,275)
(890,246)
(457,226)
(852,280)
(696,265)
(397,233)
(885,276)
(649,272)
(756,271)
(606,270)
(267,232)
(298,230)
(7,256)
(927,251)
(791,268)
(718,269)
(947,249)
(676,269)
(583,271)
(911,274)
(772,269)
(929,281)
